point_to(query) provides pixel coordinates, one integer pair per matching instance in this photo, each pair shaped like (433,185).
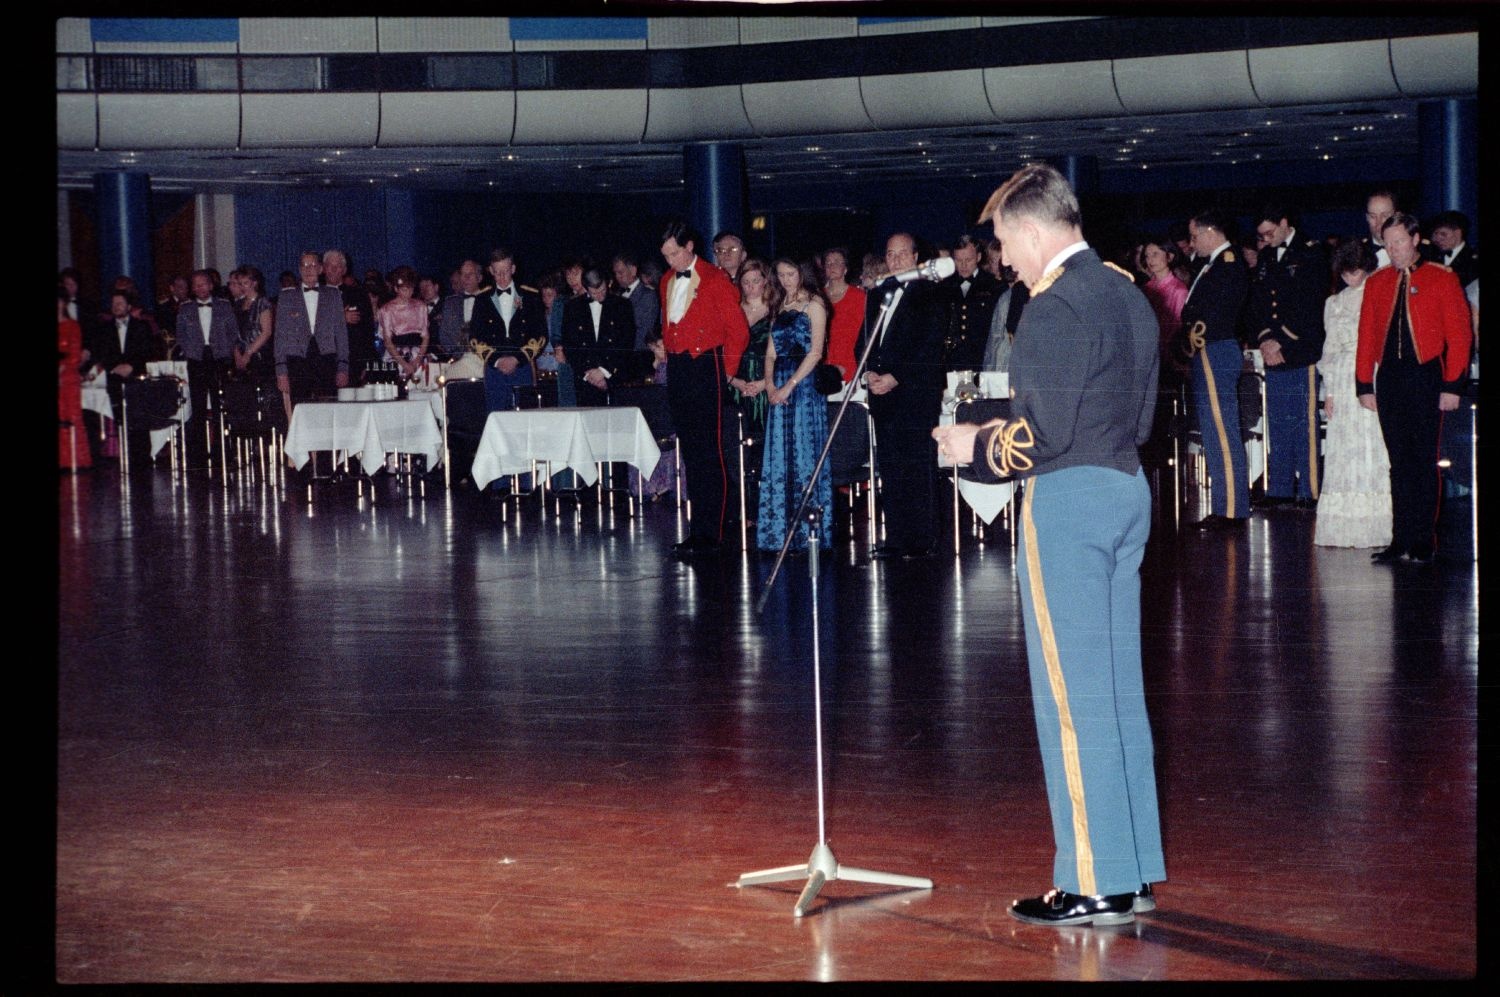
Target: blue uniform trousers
(1083,534)
(1216,377)
(499,389)
(1292,425)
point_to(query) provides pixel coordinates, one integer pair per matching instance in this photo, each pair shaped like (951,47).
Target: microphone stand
(821,867)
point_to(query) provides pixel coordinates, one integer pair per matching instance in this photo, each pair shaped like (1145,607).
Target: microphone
(934,269)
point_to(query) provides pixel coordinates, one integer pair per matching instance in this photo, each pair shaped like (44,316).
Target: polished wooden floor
(411,740)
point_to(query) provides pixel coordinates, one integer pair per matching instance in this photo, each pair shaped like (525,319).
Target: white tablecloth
(576,437)
(369,430)
(986,500)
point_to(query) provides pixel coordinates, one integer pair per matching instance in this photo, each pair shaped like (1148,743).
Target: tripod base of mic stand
(822,868)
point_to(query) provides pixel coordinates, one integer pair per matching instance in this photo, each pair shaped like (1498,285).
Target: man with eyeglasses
(729,254)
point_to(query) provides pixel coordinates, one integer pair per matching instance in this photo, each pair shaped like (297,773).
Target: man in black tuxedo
(121,347)
(905,380)
(1448,232)
(207,333)
(358,315)
(311,337)
(970,294)
(506,319)
(598,335)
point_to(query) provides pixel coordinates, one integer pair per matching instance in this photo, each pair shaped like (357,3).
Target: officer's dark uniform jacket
(1083,376)
(1215,303)
(1286,300)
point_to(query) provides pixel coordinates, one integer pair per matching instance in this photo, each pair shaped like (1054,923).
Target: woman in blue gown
(796,415)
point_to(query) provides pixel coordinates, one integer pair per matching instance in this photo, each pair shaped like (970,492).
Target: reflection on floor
(409,740)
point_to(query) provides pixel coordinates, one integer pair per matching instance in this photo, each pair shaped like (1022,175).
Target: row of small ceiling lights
(1124,153)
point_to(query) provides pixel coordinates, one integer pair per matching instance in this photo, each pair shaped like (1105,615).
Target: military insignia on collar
(1227,256)
(1119,270)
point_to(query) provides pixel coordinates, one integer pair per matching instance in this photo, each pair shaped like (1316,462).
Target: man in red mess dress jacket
(1414,325)
(704,332)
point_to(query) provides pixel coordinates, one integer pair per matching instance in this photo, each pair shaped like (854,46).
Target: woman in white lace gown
(1354,509)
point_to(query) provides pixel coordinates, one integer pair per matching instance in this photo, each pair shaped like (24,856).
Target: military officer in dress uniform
(1210,337)
(1083,382)
(705,333)
(1284,314)
(971,294)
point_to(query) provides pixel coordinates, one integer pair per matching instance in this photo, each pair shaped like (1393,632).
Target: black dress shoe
(885,552)
(1271,501)
(919,553)
(1060,909)
(1307,503)
(694,547)
(1391,553)
(1213,522)
(1144,900)
(1421,554)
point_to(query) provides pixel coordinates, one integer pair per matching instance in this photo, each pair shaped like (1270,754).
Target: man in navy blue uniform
(506,321)
(1083,375)
(1210,338)
(1284,314)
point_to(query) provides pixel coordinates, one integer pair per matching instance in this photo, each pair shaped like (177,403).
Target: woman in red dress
(72,441)
(848,311)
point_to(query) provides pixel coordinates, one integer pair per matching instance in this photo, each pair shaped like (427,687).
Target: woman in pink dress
(1164,289)
(403,322)
(848,311)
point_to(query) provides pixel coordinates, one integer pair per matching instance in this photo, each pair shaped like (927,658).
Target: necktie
(890,284)
(502,290)
(685,274)
(205,304)
(309,290)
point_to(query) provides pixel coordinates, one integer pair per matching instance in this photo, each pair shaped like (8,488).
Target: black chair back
(153,402)
(651,399)
(850,455)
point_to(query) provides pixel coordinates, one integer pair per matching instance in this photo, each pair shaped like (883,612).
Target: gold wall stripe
(1082,847)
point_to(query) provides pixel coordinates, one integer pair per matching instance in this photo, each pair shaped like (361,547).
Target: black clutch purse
(980,411)
(827,379)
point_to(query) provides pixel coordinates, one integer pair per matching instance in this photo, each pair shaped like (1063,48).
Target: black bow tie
(470,297)
(685,273)
(308,290)
(890,283)
(502,290)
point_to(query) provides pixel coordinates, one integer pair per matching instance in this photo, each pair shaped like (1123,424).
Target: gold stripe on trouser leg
(1082,848)
(1213,403)
(1312,429)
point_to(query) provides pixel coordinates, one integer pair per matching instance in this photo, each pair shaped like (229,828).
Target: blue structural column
(1448,132)
(123,206)
(714,175)
(1082,172)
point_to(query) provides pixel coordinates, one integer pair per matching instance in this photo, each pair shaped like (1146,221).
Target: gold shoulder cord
(1120,270)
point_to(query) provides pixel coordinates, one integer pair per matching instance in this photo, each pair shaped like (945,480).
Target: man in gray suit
(207,333)
(642,299)
(458,312)
(312,341)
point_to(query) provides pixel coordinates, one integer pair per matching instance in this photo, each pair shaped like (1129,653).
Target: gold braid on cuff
(1003,450)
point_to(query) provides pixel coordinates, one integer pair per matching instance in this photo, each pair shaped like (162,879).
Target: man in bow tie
(207,333)
(505,318)
(452,339)
(1284,316)
(1210,339)
(905,379)
(704,333)
(1449,229)
(311,337)
(121,346)
(598,335)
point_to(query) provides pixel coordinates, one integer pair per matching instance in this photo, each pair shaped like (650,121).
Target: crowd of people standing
(776,339)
